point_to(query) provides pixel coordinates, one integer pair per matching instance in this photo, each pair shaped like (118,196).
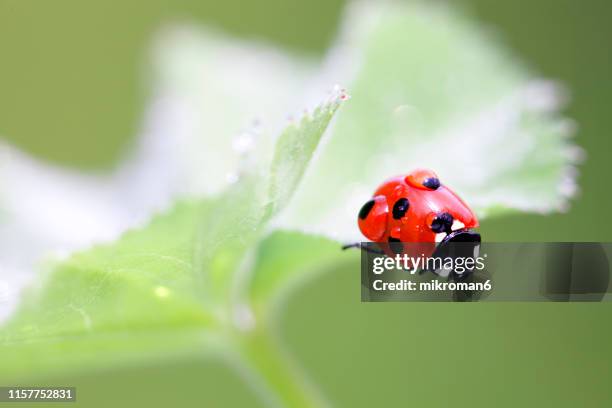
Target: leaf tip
(339,95)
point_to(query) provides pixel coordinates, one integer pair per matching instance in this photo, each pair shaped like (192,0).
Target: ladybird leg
(395,245)
(362,247)
(353,245)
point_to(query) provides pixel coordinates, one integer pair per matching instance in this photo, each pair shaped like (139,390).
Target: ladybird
(417,208)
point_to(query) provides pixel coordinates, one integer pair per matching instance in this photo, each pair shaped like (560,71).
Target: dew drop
(243,143)
(232,178)
(161,292)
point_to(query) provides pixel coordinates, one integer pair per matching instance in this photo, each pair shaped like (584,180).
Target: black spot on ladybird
(442,223)
(400,207)
(365,210)
(432,183)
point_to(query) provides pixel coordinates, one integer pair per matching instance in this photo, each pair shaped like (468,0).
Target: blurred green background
(73,86)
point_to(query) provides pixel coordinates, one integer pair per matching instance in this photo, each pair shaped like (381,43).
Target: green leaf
(175,287)
(207,123)
(294,150)
(141,284)
(435,91)
(429,90)
(284,260)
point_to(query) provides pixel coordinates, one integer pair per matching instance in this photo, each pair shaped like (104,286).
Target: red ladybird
(417,208)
